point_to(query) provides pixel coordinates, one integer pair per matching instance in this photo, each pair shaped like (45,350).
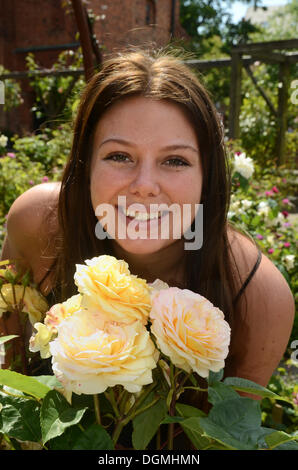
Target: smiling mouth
(141,216)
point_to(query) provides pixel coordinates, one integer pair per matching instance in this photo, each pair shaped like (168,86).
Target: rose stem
(97,408)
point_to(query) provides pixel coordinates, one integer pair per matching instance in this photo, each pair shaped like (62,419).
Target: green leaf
(56,415)
(49,380)
(188,411)
(287,446)
(66,440)
(146,424)
(20,418)
(235,423)
(172,419)
(215,376)
(244,385)
(219,392)
(255,221)
(94,438)
(277,438)
(25,384)
(4,339)
(194,431)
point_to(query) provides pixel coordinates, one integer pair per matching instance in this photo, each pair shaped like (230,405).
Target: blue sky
(239,9)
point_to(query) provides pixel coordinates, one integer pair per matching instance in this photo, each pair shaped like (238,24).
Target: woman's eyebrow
(131,144)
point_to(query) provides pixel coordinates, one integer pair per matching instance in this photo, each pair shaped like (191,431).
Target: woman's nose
(145,182)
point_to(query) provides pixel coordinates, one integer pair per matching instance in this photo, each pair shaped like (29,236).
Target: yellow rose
(40,341)
(190,330)
(47,332)
(58,312)
(90,355)
(109,288)
(34,303)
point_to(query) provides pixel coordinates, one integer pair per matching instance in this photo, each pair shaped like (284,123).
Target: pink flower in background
(270,251)
(259,236)
(31,182)
(45,179)
(286,201)
(287,224)
(284,180)
(285,214)
(11,155)
(269,193)
(287,244)
(275,190)
(237,153)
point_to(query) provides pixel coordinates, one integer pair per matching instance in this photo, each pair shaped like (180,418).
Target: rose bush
(133,380)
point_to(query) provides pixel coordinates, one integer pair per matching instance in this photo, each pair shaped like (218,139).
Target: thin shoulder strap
(243,287)
(47,273)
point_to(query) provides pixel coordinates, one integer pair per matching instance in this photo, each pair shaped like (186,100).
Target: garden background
(266,207)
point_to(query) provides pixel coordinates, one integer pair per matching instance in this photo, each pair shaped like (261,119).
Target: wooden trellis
(268,52)
(243,56)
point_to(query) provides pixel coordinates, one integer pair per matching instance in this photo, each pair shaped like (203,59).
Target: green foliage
(146,424)
(13,96)
(17,175)
(49,148)
(203,20)
(55,93)
(23,383)
(234,422)
(19,418)
(56,415)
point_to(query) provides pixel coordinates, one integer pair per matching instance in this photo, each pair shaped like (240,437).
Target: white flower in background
(246,203)
(289,261)
(263,208)
(235,208)
(3,140)
(279,219)
(270,239)
(243,165)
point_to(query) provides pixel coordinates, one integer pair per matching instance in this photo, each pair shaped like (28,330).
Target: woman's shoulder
(264,277)
(29,223)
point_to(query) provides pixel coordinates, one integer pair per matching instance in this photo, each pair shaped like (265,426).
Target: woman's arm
(26,241)
(263,328)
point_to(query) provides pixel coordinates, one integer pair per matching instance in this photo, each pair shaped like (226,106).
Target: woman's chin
(141,246)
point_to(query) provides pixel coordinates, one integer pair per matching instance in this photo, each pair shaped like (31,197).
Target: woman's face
(147,152)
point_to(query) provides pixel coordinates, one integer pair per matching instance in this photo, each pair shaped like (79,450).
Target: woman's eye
(117,157)
(177,162)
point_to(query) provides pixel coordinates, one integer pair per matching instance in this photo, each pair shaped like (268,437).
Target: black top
(252,272)
(51,296)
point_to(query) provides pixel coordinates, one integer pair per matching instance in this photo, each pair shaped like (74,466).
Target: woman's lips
(141,223)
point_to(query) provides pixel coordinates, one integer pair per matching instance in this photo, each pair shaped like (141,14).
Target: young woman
(147,130)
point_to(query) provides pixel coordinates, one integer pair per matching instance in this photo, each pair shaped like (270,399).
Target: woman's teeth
(141,215)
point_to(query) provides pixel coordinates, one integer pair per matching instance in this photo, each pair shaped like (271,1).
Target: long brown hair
(156,75)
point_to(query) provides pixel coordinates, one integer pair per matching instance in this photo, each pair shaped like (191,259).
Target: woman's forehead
(138,118)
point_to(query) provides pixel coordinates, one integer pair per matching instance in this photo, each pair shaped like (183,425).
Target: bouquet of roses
(123,352)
